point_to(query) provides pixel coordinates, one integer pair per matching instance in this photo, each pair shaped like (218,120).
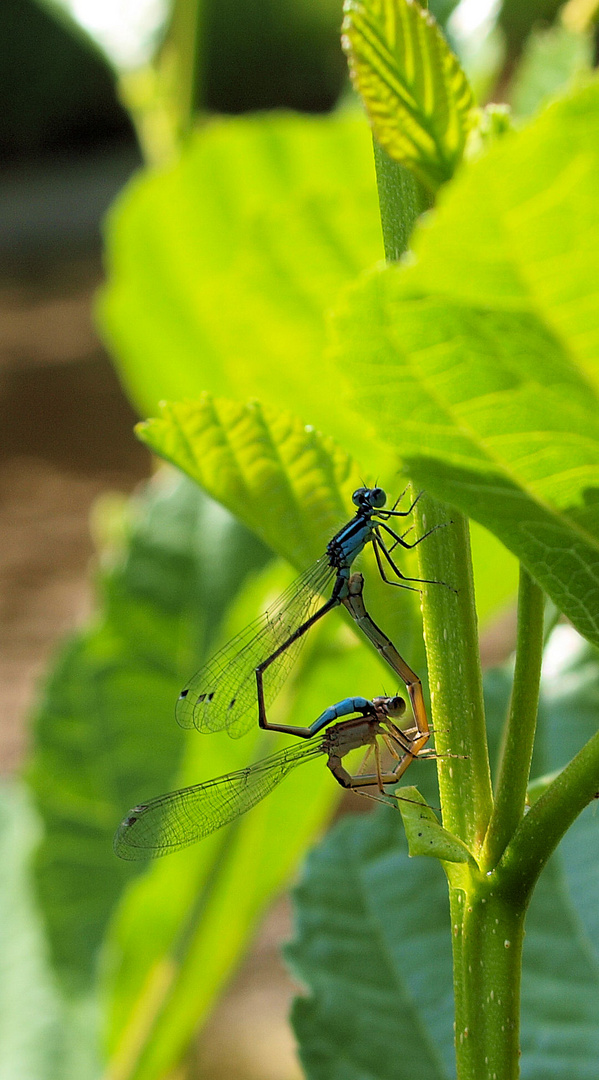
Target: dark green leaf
(373,945)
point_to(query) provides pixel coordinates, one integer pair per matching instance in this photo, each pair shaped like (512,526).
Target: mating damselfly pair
(250,670)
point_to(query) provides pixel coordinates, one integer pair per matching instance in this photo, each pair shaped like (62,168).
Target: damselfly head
(391,706)
(371,497)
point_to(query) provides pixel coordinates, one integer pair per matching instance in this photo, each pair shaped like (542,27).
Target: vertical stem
(185,38)
(516,752)
(491,933)
(402,199)
(165,95)
(455,680)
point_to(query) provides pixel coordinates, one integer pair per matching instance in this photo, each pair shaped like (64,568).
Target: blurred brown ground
(65,437)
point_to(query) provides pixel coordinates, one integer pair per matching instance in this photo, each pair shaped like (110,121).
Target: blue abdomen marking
(341,708)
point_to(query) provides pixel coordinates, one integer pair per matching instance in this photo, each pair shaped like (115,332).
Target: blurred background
(93,91)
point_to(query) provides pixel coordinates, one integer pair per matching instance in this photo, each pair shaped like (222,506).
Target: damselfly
(255,663)
(174,821)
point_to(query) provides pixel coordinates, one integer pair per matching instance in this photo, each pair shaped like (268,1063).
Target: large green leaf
(488,348)
(215,284)
(373,935)
(104,732)
(416,95)
(374,948)
(221,268)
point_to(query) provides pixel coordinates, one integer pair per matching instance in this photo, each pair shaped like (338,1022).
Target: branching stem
(516,752)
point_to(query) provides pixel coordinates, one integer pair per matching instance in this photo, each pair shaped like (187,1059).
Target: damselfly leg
(354,602)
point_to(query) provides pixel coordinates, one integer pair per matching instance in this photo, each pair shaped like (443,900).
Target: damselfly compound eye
(377,497)
(396,706)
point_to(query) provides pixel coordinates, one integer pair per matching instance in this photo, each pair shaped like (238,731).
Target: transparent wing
(180,818)
(223,693)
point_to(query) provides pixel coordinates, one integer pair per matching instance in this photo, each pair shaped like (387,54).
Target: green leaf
(424,833)
(372,944)
(416,95)
(104,733)
(220,269)
(286,482)
(560,984)
(488,348)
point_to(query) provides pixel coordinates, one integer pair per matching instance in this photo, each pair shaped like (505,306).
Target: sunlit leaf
(289,484)
(489,346)
(416,95)
(221,268)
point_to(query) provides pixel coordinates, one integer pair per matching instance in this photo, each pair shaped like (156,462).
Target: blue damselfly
(255,663)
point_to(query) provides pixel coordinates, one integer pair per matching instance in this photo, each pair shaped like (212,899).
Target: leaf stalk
(518,740)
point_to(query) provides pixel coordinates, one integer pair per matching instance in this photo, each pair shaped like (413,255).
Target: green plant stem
(184,36)
(542,828)
(482,967)
(165,96)
(450,625)
(450,633)
(401,198)
(488,911)
(488,933)
(516,752)
(486,972)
